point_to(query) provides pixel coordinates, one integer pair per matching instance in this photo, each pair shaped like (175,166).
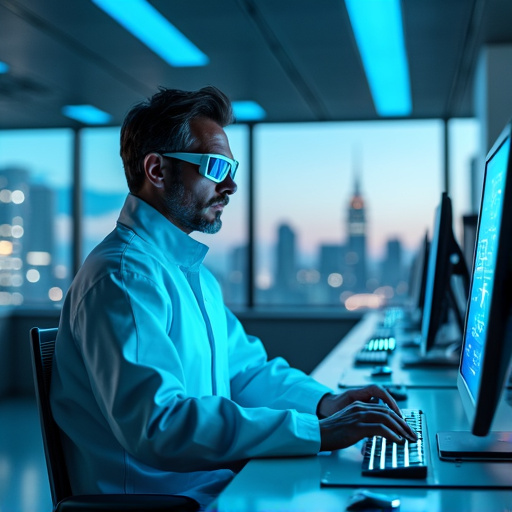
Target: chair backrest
(42,343)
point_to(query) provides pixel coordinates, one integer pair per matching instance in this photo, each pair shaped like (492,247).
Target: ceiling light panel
(148,25)
(86,114)
(379,34)
(248,111)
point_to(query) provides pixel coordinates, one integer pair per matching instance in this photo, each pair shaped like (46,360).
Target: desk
(295,483)
(337,368)
(443,412)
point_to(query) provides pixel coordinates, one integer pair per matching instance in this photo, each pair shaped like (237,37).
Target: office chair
(42,343)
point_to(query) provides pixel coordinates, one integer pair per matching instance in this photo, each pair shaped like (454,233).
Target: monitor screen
(486,347)
(484,272)
(487,340)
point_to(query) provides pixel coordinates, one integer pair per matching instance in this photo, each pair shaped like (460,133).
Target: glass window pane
(103,182)
(227,256)
(341,208)
(35,216)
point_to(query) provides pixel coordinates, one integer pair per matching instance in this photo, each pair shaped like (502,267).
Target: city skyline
(28,209)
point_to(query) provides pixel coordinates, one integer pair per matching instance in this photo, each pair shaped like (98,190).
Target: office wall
(492,102)
(304,339)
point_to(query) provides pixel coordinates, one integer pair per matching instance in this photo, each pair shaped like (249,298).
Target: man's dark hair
(162,125)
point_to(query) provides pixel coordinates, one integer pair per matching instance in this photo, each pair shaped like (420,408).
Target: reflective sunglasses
(213,167)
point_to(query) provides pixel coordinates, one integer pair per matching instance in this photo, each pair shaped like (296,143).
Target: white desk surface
(294,484)
(337,368)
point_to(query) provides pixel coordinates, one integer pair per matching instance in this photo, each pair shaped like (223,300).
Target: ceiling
(296,58)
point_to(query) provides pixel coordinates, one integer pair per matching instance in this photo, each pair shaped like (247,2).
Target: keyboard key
(385,459)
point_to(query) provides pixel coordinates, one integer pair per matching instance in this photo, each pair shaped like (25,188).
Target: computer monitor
(469,224)
(417,283)
(419,275)
(445,261)
(487,341)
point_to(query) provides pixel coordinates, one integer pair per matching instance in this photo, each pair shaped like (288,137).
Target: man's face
(193,202)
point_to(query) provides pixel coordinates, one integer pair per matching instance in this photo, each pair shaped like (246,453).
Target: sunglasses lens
(218,169)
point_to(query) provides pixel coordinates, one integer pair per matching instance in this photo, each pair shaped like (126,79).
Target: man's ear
(154,169)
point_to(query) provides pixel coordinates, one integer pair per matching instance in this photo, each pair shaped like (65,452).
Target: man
(156,386)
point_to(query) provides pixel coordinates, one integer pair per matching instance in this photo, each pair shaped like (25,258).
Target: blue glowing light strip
(143,21)
(248,111)
(86,114)
(4,67)
(378,30)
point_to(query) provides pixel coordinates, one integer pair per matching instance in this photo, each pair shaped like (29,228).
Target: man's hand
(331,404)
(350,417)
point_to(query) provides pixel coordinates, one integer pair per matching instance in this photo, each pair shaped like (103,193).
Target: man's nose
(227,186)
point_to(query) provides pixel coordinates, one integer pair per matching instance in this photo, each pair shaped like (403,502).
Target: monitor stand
(454,446)
(435,358)
(412,340)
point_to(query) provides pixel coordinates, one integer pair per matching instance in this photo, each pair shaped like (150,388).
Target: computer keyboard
(375,351)
(379,344)
(386,459)
(393,316)
(370,358)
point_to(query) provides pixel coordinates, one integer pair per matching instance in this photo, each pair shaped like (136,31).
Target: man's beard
(188,213)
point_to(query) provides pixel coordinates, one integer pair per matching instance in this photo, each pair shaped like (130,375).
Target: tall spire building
(356,228)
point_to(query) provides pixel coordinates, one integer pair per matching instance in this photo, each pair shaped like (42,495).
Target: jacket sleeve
(257,382)
(139,385)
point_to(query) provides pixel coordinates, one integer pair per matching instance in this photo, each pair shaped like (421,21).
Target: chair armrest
(127,503)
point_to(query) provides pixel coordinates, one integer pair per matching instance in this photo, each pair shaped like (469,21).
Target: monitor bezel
(418,275)
(480,410)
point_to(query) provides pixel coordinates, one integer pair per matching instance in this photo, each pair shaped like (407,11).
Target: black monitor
(417,285)
(469,224)
(445,261)
(487,341)
(419,275)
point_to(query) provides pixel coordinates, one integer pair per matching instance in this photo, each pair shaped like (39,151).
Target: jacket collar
(148,223)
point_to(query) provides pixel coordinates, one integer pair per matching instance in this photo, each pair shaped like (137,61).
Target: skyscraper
(13,190)
(355,258)
(286,267)
(392,265)
(26,239)
(332,268)
(39,243)
(235,284)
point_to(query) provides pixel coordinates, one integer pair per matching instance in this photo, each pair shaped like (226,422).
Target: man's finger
(381,414)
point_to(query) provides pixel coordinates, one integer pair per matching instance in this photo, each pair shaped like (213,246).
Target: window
(341,208)
(104,187)
(35,216)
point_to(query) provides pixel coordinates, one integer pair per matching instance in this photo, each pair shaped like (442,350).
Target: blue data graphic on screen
(483,272)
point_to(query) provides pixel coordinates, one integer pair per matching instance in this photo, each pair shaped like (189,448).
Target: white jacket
(156,386)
